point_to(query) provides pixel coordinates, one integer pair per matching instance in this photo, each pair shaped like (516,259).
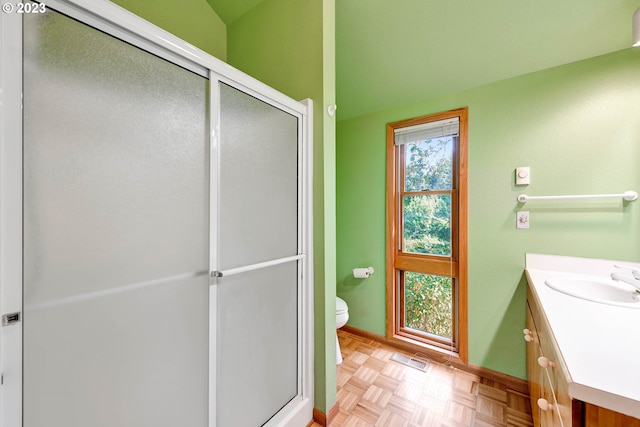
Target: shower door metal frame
(11,248)
(120,23)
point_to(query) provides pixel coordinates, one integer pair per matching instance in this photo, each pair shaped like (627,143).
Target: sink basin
(597,289)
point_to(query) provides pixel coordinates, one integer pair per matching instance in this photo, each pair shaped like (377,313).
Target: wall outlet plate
(522,219)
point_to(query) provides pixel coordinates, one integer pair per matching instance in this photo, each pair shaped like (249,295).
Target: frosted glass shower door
(257,304)
(116,234)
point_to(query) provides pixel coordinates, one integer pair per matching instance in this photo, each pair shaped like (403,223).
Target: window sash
(402,193)
(446,343)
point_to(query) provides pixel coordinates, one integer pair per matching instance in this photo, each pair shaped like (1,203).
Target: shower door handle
(238,270)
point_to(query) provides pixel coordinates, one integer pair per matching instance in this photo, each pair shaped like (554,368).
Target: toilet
(342,315)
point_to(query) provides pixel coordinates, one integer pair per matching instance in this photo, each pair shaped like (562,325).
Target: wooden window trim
(395,260)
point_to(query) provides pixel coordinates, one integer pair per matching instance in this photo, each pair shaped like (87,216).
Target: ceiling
(393,52)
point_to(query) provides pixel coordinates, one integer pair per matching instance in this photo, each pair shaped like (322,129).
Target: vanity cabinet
(548,379)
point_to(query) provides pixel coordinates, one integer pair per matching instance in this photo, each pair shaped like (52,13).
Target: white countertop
(600,343)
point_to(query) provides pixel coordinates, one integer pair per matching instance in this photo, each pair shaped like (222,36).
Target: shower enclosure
(155,252)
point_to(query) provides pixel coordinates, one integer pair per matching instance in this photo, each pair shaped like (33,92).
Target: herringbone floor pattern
(375,391)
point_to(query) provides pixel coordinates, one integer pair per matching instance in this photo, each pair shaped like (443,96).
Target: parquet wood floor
(376,391)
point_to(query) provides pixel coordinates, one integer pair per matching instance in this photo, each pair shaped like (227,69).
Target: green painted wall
(192,20)
(290,45)
(577,126)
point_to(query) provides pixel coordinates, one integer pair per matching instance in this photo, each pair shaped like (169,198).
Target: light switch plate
(522,219)
(523,175)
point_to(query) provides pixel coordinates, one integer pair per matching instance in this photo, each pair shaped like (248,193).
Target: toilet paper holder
(362,272)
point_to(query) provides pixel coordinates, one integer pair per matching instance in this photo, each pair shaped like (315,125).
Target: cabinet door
(595,416)
(562,396)
(549,415)
(541,382)
(550,364)
(534,371)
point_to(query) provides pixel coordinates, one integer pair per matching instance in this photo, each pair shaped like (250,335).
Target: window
(427,231)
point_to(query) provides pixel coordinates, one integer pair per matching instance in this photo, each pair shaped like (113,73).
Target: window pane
(427,224)
(428,164)
(428,303)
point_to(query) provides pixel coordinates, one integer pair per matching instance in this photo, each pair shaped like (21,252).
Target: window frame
(454,266)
